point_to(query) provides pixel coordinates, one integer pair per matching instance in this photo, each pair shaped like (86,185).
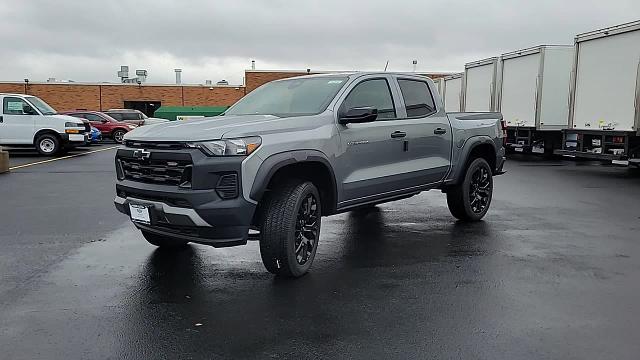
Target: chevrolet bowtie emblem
(141,154)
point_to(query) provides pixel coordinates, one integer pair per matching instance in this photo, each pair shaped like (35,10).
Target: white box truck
(451,92)
(480,84)
(605,95)
(534,96)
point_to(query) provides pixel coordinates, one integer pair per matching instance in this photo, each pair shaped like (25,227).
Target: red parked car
(108,126)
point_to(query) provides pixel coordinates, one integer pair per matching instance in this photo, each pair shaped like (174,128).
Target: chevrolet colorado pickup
(295,150)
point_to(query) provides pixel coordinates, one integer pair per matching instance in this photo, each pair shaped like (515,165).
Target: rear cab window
(417,98)
(374,93)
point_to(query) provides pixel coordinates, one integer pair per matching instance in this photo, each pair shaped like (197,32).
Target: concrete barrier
(4,161)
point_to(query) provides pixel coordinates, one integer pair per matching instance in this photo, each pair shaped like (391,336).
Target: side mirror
(103,121)
(28,110)
(359,115)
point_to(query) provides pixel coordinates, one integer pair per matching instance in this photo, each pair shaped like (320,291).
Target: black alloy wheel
(307,229)
(479,190)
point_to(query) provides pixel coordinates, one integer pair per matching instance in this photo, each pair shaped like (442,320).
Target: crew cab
(27,121)
(295,150)
(108,126)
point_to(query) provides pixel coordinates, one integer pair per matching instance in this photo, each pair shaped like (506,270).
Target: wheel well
(45,131)
(485,151)
(316,172)
(119,128)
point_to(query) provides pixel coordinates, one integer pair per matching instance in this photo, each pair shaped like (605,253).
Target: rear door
(17,126)
(427,149)
(370,152)
(97,122)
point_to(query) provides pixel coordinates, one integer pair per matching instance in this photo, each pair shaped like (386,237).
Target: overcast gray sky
(88,40)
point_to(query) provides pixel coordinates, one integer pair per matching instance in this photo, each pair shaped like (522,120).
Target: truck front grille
(156,171)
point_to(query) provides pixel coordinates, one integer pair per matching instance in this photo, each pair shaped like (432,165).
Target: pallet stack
(4,161)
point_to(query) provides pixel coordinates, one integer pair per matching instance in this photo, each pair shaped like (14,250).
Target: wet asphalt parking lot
(553,272)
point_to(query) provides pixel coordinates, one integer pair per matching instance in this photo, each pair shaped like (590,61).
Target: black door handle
(398,134)
(440,131)
(1,120)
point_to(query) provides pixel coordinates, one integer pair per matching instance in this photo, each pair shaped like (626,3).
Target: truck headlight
(228,147)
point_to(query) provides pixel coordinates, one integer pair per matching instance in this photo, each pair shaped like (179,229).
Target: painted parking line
(62,158)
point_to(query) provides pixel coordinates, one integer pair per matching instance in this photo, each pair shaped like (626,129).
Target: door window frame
(356,84)
(24,101)
(435,106)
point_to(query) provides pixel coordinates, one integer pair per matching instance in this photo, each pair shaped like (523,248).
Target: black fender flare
(465,151)
(275,162)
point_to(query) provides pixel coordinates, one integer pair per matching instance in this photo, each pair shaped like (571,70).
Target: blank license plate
(139,213)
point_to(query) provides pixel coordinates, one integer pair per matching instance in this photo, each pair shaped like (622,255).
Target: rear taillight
(503,125)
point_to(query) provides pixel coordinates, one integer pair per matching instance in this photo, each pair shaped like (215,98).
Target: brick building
(102,96)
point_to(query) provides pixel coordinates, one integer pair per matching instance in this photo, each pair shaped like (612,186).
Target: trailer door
(479,88)
(606,81)
(519,89)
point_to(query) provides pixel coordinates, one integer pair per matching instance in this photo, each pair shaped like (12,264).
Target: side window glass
(93,117)
(14,106)
(417,98)
(374,93)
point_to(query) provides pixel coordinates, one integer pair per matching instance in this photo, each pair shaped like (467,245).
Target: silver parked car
(134,117)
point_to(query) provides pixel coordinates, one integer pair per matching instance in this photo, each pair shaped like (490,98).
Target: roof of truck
(355,73)
(10,94)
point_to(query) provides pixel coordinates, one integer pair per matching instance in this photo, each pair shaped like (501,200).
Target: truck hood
(68,118)
(218,127)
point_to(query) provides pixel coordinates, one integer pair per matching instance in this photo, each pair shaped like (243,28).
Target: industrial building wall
(72,96)
(65,97)
(255,78)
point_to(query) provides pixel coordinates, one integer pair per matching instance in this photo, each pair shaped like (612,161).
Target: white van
(26,120)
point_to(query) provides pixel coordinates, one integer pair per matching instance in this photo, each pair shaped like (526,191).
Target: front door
(18,121)
(370,152)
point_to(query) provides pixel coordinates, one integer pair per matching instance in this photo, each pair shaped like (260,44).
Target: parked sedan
(133,117)
(108,126)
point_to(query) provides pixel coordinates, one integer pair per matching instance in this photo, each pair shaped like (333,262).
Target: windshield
(294,97)
(44,108)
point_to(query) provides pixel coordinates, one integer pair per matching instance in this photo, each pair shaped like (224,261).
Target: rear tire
(164,242)
(118,135)
(290,228)
(48,145)
(470,200)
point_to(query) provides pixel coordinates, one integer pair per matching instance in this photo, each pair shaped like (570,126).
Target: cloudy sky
(88,40)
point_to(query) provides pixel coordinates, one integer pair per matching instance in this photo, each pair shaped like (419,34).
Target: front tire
(118,135)
(290,228)
(164,242)
(470,200)
(48,144)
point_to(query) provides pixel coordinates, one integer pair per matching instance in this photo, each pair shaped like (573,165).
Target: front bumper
(210,224)
(75,139)
(197,214)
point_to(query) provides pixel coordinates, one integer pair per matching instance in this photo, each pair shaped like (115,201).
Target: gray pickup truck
(297,149)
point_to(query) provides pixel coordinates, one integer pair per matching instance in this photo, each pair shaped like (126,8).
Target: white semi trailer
(605,95)
(451,92)
(534,96)
(480,84)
